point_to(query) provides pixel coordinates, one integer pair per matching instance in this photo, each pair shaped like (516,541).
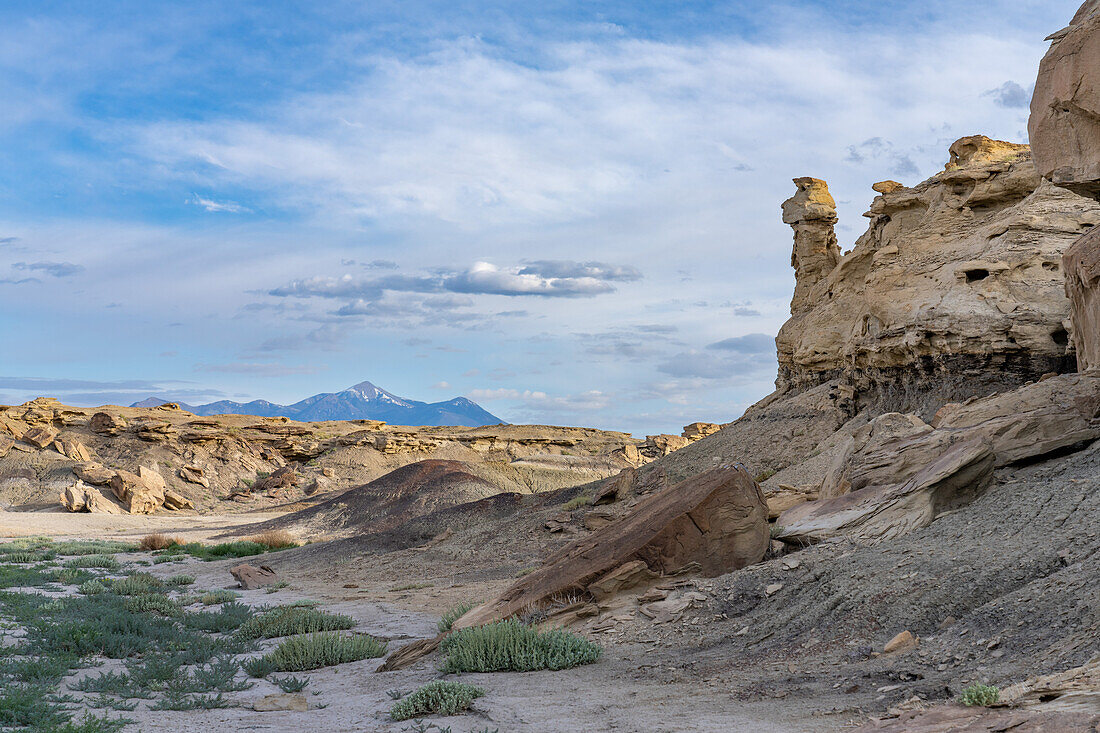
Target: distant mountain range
(364,401)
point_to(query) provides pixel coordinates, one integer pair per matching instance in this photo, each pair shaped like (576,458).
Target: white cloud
(218,206)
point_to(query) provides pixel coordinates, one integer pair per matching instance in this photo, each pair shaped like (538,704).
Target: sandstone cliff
(955,290)
(1065,130)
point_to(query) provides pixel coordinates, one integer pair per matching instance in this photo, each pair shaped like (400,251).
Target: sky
(565,211)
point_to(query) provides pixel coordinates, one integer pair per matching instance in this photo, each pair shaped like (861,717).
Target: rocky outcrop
(897,473)
(82,498)
(699,430)
(956,289)
(717,520)
(1065,131)
(106,424)
(881,512)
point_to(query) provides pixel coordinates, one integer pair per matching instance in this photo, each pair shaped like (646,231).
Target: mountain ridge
(362,401)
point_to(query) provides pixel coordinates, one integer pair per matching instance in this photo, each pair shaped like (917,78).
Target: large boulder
(139,493)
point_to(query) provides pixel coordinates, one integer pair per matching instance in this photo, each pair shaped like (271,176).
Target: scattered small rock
(251,577)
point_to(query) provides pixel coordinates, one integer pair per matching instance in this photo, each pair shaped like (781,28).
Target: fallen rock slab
(71,448)
(175,500)
(194,475)
(717,519)
(875,513)
(251,577)
(93,473)
(903,642)
(40,436)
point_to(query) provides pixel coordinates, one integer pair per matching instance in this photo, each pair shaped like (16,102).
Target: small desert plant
(180,580)
(258,667)
(409,586)
(92,587)
(290,683)
(575,503)
(152,603)
(106,562)
(215,597)
(290,620)
(275,539)
(764,475)
(510,646)
(453,615)
(158,541)
(440,697)
(228,618)
(324,649)
(137,584)
(982,695)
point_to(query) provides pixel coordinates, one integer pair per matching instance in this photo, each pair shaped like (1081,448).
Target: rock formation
(1065,135)
(811,212)
(955,290)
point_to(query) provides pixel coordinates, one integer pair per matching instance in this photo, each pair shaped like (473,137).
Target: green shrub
(510,646)
(180,580)
(106,562)
(140,583)
(258,667)
(290,620)
(764,475)
(92,587)
(324,649)
(228,618)
(26,556)
(153,603)
(215,597)
(453,615)
(440,697)
(981,695)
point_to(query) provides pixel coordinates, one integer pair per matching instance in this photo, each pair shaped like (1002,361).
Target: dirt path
(62,524)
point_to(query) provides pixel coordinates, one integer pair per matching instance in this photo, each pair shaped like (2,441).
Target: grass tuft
(441,697)
(275,539)
(453,615)
(290,683)
(158,541)
(290,620)
(509,646)
(324,649)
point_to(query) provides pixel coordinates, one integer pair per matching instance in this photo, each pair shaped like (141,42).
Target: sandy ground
(59,523)
(612,695)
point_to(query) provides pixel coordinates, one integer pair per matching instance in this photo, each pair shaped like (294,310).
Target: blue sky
(566,211)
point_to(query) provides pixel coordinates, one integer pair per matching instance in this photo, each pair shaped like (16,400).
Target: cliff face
(955,290)
(1065,129)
